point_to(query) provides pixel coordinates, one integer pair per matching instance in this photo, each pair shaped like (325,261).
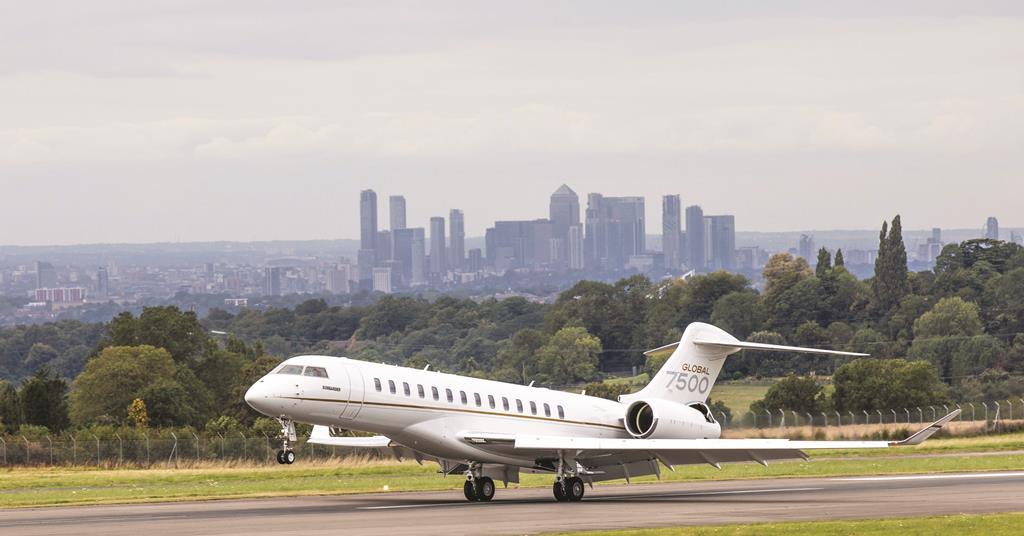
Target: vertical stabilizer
(691,370)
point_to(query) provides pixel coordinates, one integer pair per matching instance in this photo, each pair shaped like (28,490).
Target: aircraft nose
(258,397)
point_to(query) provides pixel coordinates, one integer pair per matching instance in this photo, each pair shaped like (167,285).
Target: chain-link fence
(176,451)
(989,412)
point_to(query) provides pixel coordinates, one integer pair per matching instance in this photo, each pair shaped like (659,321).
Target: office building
(338,279)
(272,281)
(721,240)
(456,240)
(615,231)
(575,247)
(695,238)
(475,262)
(992,228)
(410,253)
(564,212)
(519,244)
(367,219)
(806,249)
(382,280)
(382,249)
(438,251)
(396,212)
(671,229)
(46,275)
(102,283)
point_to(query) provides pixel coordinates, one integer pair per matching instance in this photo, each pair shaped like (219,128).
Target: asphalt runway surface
(524,511)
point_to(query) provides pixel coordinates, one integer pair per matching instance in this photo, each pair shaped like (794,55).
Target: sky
(127,121)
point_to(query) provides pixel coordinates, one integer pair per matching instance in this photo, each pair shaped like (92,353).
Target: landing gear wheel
(469,490)
(484,489)
(574,489)
(289,457)
(280,457)
(559,489)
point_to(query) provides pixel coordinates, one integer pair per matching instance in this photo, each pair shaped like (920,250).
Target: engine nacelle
(663,419)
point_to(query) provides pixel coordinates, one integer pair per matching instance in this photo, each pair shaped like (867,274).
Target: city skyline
(794,117)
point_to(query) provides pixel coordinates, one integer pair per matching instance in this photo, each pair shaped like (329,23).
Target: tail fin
(696,360)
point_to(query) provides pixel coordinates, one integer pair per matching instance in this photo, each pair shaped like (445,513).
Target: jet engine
(663,419)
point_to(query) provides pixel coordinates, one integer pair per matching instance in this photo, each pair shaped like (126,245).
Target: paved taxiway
(533,510)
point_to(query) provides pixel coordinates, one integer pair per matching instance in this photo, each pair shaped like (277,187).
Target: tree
(783,271)
(740,313)
(137,413)
(792,393)
(116,377)
(840,262)
(569,356)
(10,410)
(890,283)
(875,384)
(180,333)
(824,262)
(610,391)
(43,400)
(949,317)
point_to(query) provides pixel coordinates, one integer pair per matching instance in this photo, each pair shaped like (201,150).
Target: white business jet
(490,430)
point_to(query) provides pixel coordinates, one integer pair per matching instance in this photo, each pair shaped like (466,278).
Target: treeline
(953,333)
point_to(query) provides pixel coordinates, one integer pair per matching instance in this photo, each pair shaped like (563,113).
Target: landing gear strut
(568,487)
(477,487)
(286,455)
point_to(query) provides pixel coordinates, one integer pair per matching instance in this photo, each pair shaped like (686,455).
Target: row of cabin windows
(450,397)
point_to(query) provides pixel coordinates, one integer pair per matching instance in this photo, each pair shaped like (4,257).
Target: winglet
(925,432)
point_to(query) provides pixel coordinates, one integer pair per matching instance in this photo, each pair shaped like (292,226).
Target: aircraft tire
(484,489)
(559,491)
(280,457)
(469,491)
(574,489)
(289,457)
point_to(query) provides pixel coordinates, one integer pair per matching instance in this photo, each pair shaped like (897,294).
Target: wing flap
(321,435)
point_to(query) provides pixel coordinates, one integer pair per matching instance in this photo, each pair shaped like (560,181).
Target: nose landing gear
(477,487)
(286,455)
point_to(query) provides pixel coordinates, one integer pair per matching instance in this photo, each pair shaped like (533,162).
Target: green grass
(61,486)
(988,524)
(739,395)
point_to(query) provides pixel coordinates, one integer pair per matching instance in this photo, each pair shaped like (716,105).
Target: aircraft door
(354,394)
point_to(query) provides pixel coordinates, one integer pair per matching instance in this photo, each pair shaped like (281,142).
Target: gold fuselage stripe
(458,410)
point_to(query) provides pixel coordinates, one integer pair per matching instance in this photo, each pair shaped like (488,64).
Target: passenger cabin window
(318,372)
(376,384)
(420,391)
(519,405)
(547,410)
(476,398)
(391,386)
(533,407)
(561,413)
(490,401)
(433,391)
(405,388)
(291,369)
(462,396)
(504,403)
(448,393)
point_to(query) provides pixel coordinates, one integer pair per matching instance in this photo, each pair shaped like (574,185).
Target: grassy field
(739,395)
(988,524)
(57,486)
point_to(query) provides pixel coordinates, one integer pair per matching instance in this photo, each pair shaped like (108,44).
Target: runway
(522,511)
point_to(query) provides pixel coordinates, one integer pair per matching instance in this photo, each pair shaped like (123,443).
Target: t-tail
(696,360)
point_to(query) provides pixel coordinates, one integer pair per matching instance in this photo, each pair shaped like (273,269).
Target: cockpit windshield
(290,369)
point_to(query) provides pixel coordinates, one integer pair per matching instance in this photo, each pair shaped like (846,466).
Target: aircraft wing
(321,435)
(610,458)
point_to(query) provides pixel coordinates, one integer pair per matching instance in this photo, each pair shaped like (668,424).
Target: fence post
(933,412)
(783,421)
(97,448)
(867,420)
(839,419)
(3,445)
(879,416)
(27,450)
(221,445)
(74,450)
(244,446)
(961,415)
(197,445)
(769,414)
(120,450)
(1010,415)
(973,415)
(893,416)
(796,419)
(174,451)
(810,420)
(51,448)
(908,414)
(266,443)
(824,418)
(985,405)
(146,434)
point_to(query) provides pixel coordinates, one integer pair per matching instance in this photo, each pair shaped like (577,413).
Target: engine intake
(664,419)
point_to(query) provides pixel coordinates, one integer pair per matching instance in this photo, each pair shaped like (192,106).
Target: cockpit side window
(290,369)
(318,372)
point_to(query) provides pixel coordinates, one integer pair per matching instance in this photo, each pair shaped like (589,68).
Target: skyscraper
(46,275)
(564,212)
(102,283)
(670,231)
(438,262)
(615,231)
(695,237)
(396,211)
(272,281)
(992,228)
(457,240)
(723,242)
(806,249)
(367,219)
(575,247)
(519,244)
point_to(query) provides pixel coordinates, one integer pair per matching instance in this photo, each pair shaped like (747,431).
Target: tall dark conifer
(839,261)
(824,262)
(891,282)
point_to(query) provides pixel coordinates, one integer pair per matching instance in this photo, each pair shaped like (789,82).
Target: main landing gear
(568,489)
(286,455)
(478,488)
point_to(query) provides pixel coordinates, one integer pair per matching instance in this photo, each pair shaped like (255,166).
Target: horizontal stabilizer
(321,435)
(773,348)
